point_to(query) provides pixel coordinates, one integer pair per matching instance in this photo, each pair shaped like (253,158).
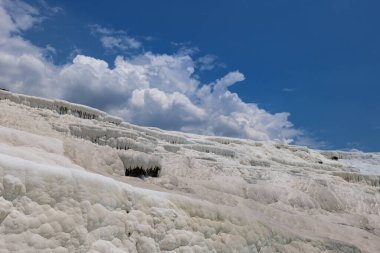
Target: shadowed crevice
(140,172)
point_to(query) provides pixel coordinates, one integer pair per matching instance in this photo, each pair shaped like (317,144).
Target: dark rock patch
(141,173)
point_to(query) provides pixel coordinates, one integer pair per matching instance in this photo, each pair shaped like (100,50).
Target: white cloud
(208,62)
(168,110)
(149,89)
(115,39)
(22,16)
(312,142)
(123,43)
(185,48)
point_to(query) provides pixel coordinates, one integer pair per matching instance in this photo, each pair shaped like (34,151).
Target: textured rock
(63,188)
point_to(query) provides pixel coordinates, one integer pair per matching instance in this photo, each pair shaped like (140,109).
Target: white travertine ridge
(63,188)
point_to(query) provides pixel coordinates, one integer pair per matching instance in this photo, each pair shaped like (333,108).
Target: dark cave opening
(141,173)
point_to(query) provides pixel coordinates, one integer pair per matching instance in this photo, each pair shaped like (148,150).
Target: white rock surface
(63,188)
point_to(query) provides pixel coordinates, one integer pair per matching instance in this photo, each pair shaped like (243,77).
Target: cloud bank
(151,89)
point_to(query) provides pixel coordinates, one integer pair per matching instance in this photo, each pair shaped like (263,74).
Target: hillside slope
(64,188)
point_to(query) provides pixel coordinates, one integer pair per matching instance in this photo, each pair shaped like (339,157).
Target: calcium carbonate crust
(63,188)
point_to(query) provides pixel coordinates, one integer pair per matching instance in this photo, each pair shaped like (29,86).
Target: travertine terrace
(63,188)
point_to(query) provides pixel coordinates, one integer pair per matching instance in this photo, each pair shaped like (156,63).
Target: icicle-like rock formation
(62,107)
(75,179)
(140,164)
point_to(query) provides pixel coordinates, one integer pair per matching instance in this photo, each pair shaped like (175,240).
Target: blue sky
(319,61)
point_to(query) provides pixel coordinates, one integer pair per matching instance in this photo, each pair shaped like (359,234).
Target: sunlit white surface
(63,189)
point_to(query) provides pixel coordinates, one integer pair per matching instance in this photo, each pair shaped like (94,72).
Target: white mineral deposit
(75,179)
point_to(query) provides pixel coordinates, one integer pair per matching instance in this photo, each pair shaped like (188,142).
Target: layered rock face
(75,179)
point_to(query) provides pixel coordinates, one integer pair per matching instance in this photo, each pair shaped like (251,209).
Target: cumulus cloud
(148,89)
